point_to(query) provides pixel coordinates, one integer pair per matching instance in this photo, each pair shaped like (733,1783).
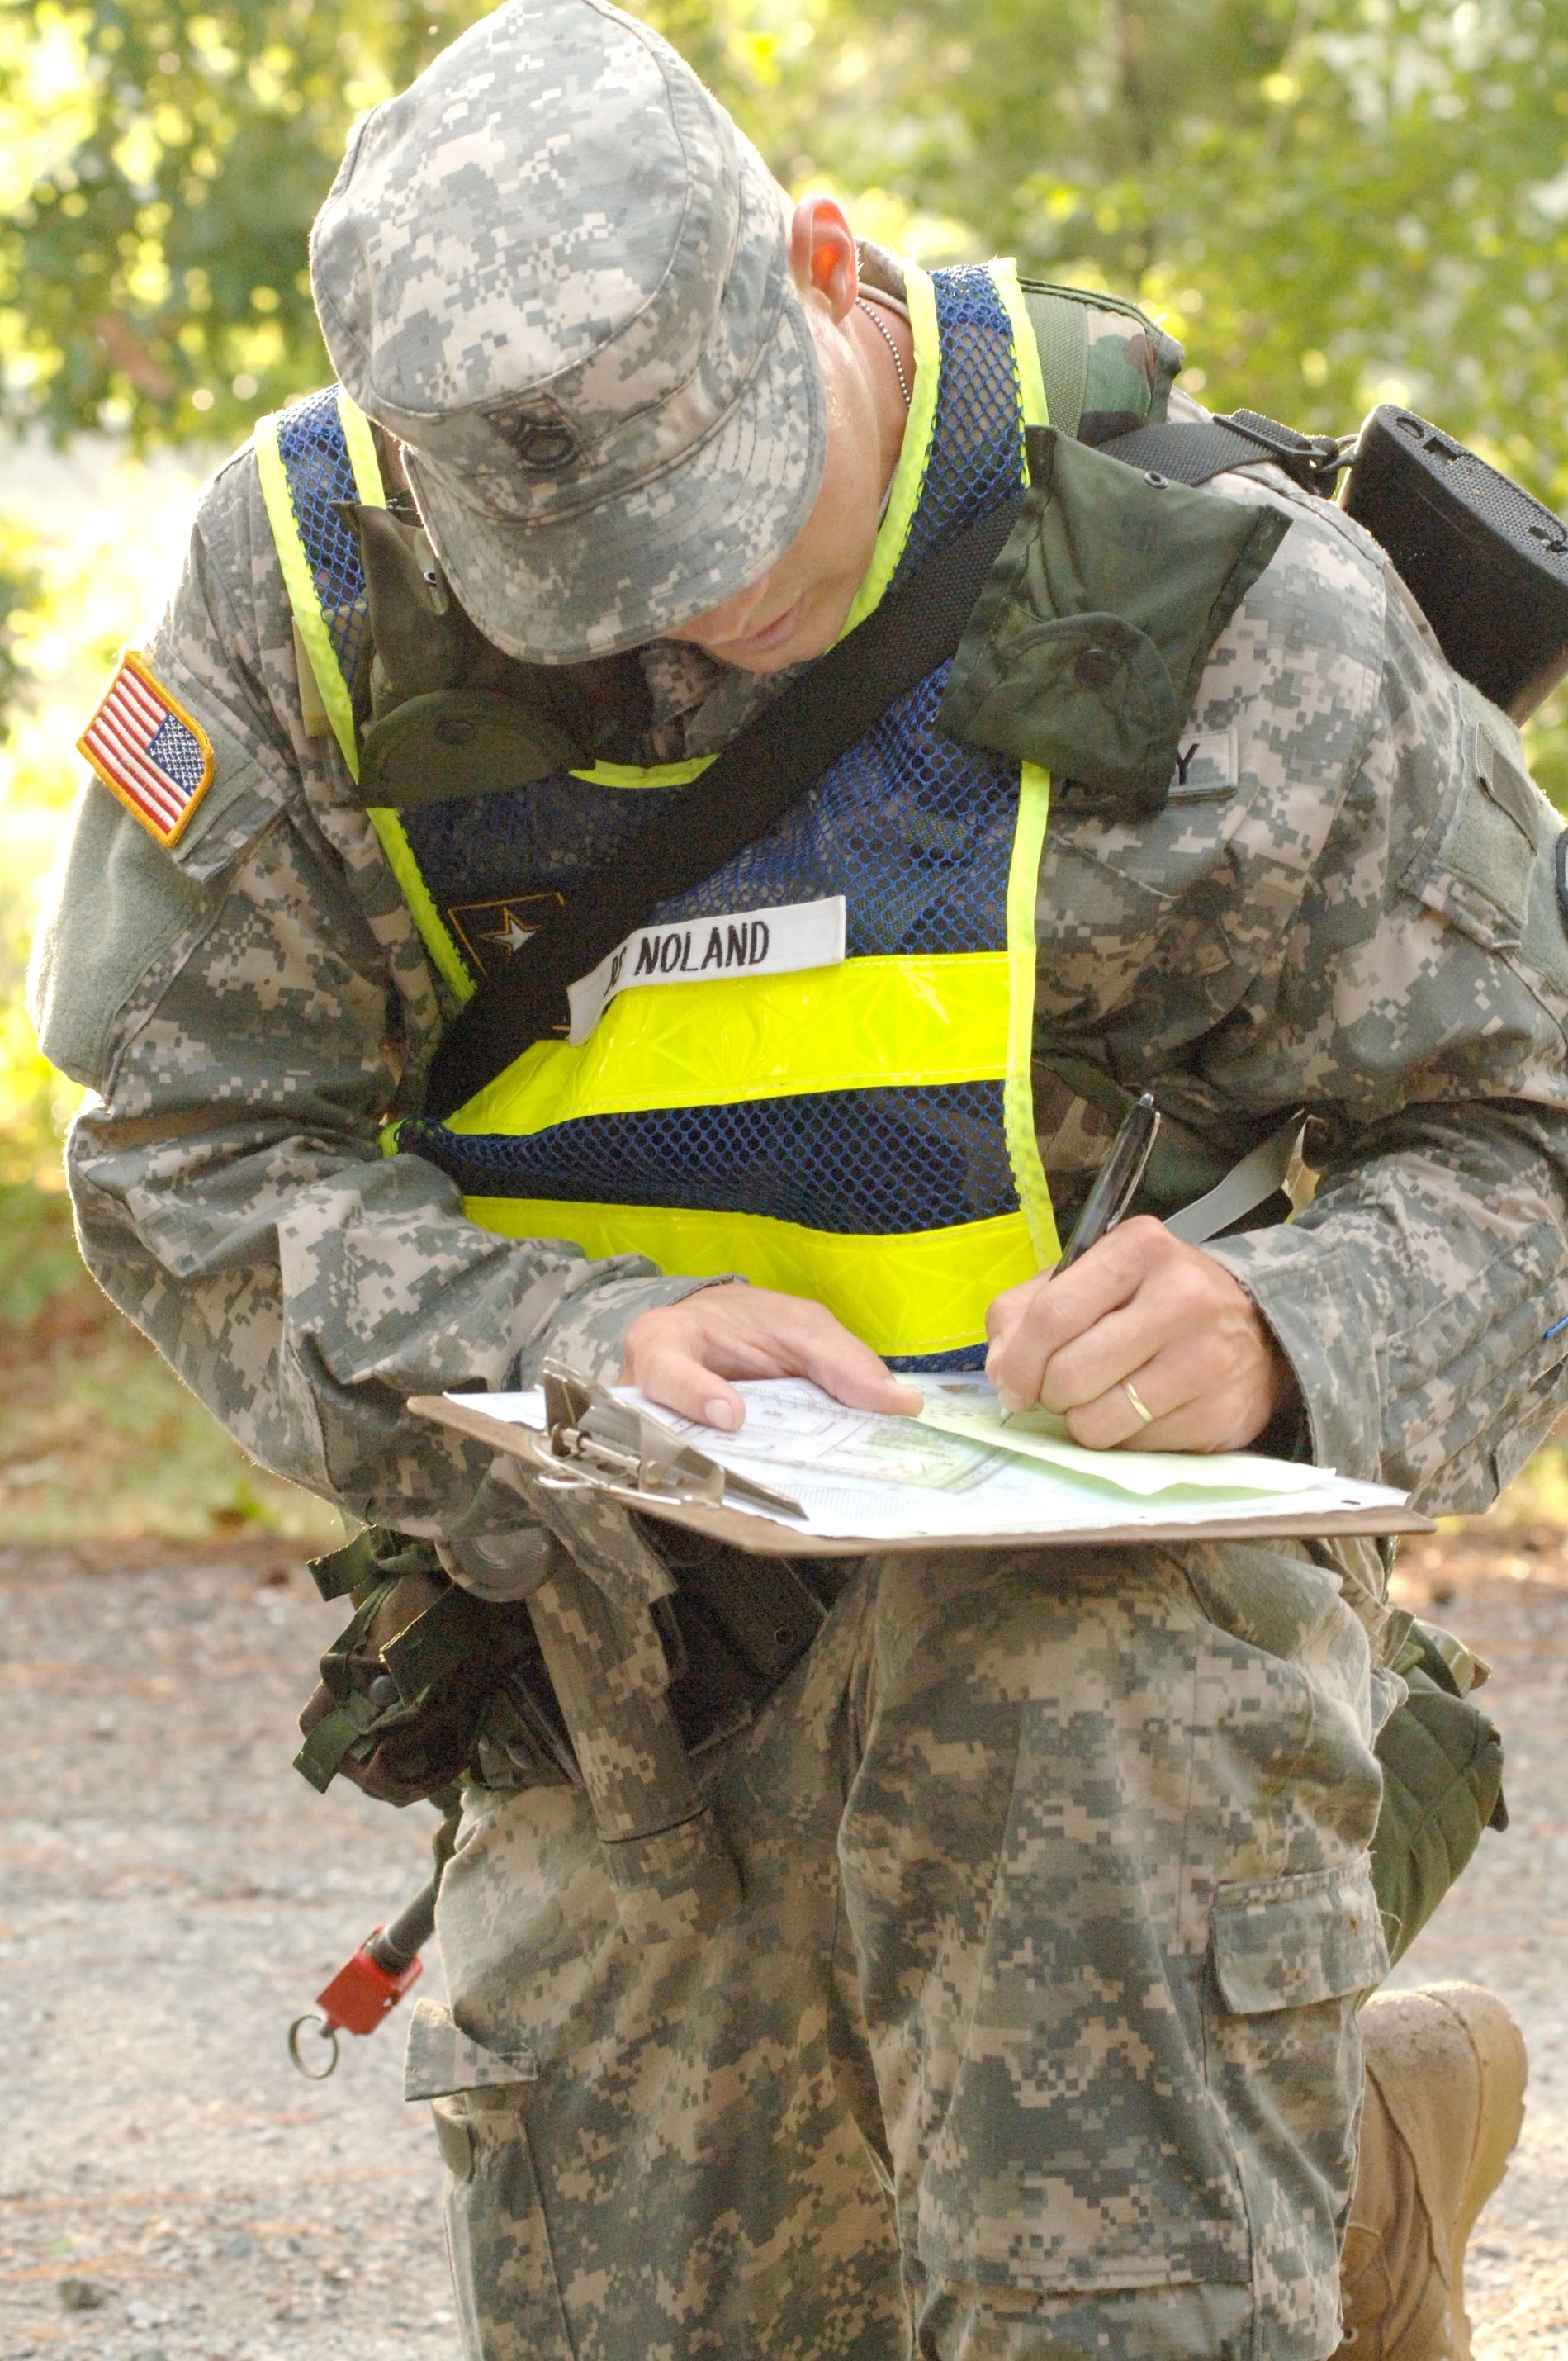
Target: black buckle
(1316,462)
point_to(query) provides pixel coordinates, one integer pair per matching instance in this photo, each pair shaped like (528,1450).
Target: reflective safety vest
(814,1068)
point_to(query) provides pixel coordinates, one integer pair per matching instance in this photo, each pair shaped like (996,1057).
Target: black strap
(737,798)
(1190,452)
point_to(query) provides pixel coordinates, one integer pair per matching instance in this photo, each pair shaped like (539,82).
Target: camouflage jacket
(1351,907)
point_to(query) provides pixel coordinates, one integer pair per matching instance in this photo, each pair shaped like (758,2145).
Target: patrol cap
(556,270)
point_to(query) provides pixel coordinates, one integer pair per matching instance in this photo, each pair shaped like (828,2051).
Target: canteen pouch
(441,712)
(426,1681)
(1087,644)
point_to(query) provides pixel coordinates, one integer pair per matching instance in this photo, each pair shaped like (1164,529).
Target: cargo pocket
(503,2272)
(1291,1957)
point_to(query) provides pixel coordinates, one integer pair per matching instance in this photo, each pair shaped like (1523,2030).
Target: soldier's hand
(682,1354)
(1144,1308)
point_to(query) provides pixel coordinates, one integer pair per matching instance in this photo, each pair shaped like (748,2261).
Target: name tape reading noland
(1205,766)
(712,950)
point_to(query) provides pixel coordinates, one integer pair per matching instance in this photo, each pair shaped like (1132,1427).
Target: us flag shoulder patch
(148,749)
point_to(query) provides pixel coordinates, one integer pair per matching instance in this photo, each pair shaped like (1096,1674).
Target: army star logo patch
(148,751)
(491,933)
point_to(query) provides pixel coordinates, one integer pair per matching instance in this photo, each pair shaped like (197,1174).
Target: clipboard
(591,1439)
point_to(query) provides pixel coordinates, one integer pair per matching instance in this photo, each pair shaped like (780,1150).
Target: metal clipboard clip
(605,1441)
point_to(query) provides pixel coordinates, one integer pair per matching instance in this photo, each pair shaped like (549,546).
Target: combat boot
(1445,2077)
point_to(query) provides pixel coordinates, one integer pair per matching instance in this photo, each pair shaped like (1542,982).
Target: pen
(1113,1188)
(1116,1183)
(1555,1329)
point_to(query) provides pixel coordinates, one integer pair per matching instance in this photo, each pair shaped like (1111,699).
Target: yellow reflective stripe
(361,447)
(661,774)
(870,1023)
(1031,378)
(921,1292)
(443,952)
(300,583)
(909,476)
(1018,1092)
(1023,878)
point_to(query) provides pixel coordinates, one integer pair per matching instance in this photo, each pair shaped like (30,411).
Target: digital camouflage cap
(556,272)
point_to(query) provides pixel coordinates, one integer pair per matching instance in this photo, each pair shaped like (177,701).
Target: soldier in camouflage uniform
(1027,2025)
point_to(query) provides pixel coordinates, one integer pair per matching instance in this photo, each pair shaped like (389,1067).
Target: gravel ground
(174,1893)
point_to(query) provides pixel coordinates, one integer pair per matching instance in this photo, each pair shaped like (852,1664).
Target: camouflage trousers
(1034,2034)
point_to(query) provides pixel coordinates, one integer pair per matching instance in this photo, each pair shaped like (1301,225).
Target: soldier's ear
(822,254)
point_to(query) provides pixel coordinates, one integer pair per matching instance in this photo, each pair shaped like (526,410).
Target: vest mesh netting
(317,464)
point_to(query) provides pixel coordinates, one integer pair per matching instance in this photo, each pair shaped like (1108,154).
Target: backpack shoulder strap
(1191,451)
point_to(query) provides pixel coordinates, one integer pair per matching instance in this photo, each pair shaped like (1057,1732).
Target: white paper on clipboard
(858,1476)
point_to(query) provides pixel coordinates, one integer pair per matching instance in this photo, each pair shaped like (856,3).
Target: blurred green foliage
(167,159)
(1335,200)
(21,582)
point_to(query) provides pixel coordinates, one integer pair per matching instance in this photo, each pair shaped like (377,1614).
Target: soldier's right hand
(682,1355)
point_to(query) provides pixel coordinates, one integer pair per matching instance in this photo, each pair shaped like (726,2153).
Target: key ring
(325,2031)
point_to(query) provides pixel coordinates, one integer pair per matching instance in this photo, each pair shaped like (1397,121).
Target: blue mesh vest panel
(315,460)
(916,834)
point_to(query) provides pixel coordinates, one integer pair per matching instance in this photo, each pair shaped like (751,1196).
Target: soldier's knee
(1022,1624)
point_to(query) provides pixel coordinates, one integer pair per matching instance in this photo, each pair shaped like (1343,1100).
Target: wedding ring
(1145,1413)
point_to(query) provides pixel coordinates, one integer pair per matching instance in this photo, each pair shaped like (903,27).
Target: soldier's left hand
(1140,1308)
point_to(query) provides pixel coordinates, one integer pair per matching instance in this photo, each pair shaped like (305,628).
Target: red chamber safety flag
(148,749)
